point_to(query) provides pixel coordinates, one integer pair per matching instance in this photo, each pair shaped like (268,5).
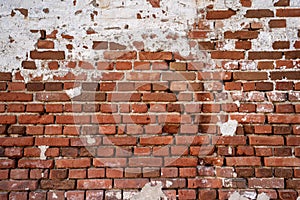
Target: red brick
(209,183)
(281,45)
(158,140)
(120,55)
(262,13)
(197,34)
(277,23)
(266,140)
(207,195)
(241,35)
(145,162)
(13,152)
(120,141)
(18,185)
(36,119)
(5,76)
(250,76)
(282,3)
(263,129)
(181,162)
(243,45)
(282,162)
(220,14)
(283,119)
(266,183)
(14,96)
(57,184)
(105,66)
(7,163)
(186,194)
(38,164)
(52,97)
(96,173)
(264,55)
(130,183)
(100,45)
(52,141)
(20,141)
(288,12)
(73,163)
(78,195)
(232,55)
(123,65)
(243,161)
(47,55)
(28,65)
(37,108)
(94,194)
(72,119)
(45,44)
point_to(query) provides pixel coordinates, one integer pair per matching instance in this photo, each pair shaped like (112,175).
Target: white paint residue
(298,198)
(294,3)
(169,183)
(237,196)
(151,191)
(263,196)
(227,183)
(250,195)
(228,128)
(54,196)
(90,140)
(237,103)
(43,150)
(114,194)
(74,92)
(230,150)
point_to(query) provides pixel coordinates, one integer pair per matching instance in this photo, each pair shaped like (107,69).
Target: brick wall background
(150,99)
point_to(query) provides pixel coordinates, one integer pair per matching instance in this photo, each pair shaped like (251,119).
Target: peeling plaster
(74,92)
(228,128)
(263,196)
(248,196)
(54,196)
(151,191)
(43,150)
(16,41)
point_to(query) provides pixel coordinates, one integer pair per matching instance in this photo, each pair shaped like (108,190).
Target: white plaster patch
(43,150)
(169,183)
(248,196)
(54,196)
(298,198)
(151,191)
(172,18)
(230,150)
(74,92)
(90,140)
(294,3)
(228,128)
(263,196)
(114,194)
(227,183)
(237,196)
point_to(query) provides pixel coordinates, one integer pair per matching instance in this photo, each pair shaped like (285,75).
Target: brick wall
(150,99)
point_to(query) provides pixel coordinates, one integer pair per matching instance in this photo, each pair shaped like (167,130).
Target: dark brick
(5,76)
(53,86)
(35,86)
(28,65)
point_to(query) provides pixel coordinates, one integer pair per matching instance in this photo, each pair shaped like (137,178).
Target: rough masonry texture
(150,99)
